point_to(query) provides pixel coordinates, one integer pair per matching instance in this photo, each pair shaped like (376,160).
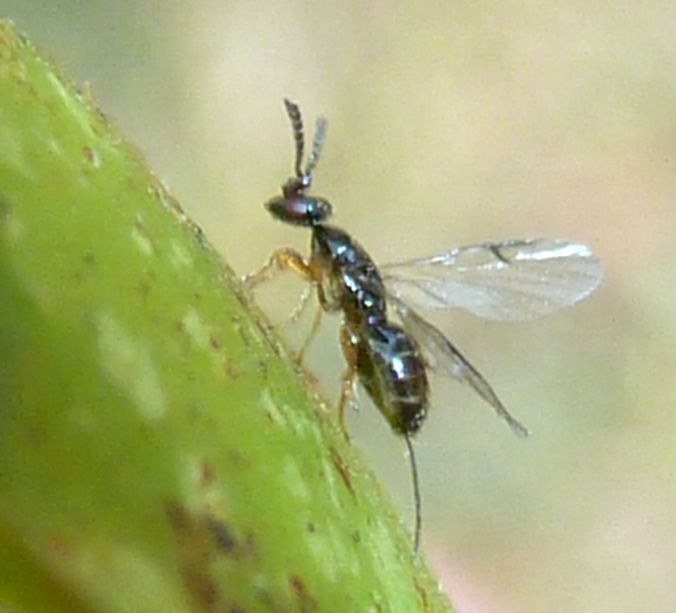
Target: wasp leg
(289,259)
(282,259)
(347,384)
(316,321)
(325,304)
(311,334)
(294,316)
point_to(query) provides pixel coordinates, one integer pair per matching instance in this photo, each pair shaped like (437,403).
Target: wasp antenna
(416,494)
(317,142)
(293,111)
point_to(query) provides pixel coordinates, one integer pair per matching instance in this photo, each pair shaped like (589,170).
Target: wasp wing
(507,280)
(441,355)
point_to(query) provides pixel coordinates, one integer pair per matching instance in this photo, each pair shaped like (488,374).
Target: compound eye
(289,210)
(299,211)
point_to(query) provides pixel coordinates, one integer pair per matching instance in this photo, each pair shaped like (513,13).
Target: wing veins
(508,280)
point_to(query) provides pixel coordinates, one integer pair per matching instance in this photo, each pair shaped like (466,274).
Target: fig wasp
(505,280)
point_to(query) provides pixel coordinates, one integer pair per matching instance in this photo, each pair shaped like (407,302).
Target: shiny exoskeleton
(386,360)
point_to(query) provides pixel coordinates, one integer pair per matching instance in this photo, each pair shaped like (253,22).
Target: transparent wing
(442,356)
(508,280)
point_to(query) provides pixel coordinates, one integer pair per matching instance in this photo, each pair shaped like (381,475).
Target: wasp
(389,348)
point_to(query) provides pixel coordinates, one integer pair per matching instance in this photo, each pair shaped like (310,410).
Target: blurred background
(449,123)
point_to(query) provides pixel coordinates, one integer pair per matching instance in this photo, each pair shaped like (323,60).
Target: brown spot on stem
(305,602)
(91,156)
(195,551)
(206,473)
(220,534)
(214,342)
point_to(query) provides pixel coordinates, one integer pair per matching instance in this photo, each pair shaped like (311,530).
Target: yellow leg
(313,331)
(347,383)
(347,392)
(289,259)
(299,308)
(282,259)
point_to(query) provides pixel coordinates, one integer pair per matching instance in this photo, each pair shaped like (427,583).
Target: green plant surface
(158,449)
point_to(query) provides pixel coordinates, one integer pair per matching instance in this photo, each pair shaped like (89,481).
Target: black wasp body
(386,360)
(507,280)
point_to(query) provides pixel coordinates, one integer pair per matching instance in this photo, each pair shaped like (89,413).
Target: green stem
(158,451)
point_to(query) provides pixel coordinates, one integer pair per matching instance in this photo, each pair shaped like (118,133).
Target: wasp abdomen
(392,370)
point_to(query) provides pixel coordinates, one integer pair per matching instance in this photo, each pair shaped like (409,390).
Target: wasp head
(294,206)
